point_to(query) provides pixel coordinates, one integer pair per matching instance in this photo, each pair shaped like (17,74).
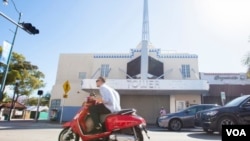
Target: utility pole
(39,93)
(28,27)
(16,91)
(8,61)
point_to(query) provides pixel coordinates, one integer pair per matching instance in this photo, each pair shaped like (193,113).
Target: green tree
(246,59)
(44,100)
(246,62)
(33,101)
(29,76)
(6,98)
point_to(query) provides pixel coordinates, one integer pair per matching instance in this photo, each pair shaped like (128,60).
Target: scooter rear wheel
(67,135)
(139,133)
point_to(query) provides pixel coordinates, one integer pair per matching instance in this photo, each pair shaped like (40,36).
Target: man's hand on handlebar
(94,99)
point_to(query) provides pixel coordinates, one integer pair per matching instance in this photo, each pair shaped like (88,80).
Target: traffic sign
(65,95)
(248,74)
(66,87)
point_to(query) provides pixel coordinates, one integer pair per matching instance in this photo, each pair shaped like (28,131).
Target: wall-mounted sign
(143,84)
(220,77)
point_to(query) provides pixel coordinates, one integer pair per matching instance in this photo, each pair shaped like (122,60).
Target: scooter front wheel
(67,135)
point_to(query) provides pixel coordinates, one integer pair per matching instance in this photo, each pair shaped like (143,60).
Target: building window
(185,71)
(82,75)
(55,103)
(105,70)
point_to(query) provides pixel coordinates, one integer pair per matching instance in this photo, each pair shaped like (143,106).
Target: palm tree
(246,62)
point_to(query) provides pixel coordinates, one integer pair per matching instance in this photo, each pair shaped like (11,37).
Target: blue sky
(216,30)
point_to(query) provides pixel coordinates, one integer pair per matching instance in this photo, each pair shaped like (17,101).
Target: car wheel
(175,125)
(225,121)
(208,131)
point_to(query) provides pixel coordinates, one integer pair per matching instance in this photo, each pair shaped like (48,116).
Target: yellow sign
(248,74)
(66,87)
(65,95)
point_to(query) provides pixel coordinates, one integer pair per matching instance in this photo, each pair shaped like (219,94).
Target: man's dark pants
(95,112)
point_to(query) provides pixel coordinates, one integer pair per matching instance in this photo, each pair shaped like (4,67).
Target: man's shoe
(99,127)
(95,131)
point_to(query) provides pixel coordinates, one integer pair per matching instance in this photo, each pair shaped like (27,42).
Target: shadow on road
(204,136)
(160,129)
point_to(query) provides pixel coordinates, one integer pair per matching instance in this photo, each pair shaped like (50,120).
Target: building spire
(145,42)
(145,24)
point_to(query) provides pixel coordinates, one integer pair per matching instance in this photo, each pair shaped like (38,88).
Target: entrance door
(180,105)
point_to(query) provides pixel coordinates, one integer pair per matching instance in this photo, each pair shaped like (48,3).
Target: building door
(180,105)
(147,106)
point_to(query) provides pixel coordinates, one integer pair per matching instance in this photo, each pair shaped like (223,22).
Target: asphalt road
(49,131)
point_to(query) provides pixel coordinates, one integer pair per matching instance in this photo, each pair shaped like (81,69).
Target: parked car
(237,111)
(182,119)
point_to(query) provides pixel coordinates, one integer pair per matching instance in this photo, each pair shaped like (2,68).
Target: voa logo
(236,132)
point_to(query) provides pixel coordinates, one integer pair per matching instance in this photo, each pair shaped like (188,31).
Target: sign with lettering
(235,132)
(143,84)
(148,84)
(218,77)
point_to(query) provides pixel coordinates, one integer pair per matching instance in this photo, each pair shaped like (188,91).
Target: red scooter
(124,125)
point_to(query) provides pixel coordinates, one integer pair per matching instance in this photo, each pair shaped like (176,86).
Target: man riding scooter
(120,125)
(110,99)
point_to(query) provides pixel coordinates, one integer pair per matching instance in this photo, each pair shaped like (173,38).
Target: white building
(146,78)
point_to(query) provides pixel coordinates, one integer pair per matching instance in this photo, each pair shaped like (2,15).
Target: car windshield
(188,108)
(196,108)
(235,102)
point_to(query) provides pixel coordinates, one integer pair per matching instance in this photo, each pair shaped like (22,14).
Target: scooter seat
(125,111)
(122,112)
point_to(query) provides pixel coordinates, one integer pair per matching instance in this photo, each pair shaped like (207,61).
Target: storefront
(225,86)
(148,96)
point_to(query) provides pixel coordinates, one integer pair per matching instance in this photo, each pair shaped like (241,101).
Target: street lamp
(10,53)
(28,27)
(5,2)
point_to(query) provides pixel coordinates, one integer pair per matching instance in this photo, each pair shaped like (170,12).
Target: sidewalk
(29,124)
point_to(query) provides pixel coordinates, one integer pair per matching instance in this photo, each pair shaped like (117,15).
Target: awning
(34,108)
(16,105)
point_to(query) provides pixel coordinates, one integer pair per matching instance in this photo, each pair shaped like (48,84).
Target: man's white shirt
(110,97)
